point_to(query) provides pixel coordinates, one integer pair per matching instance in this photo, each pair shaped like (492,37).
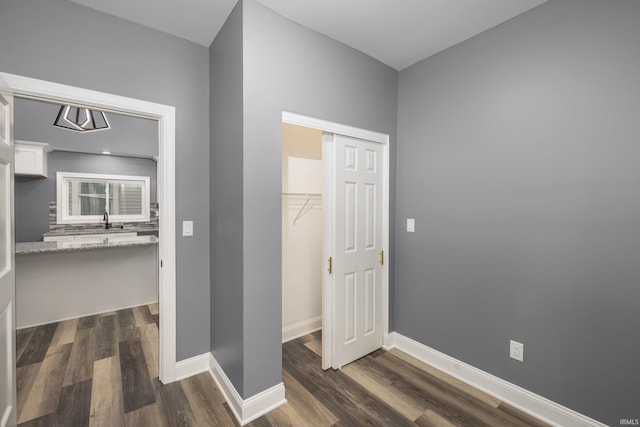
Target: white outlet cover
(516,350)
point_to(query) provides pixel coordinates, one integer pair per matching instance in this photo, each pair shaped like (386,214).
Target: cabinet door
(30,160)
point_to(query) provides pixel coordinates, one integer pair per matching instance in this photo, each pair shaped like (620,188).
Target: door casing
(331,128)
(42,90)
(8,390)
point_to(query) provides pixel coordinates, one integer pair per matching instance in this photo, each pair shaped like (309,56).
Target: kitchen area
(86,212)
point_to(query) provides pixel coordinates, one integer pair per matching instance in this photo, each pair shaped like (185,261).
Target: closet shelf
(302,194)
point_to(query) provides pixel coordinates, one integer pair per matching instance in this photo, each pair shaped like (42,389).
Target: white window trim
(62,198)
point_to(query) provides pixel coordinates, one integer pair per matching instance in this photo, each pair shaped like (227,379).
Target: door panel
(7,276)
(350,298)
(369,301)
(350,220)
(370,216)
(371,164)
(358,217)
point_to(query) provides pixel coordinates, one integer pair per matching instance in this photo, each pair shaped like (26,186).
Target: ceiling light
(81,119)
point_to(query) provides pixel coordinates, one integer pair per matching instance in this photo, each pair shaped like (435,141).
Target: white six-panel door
(358,245)
(7,276)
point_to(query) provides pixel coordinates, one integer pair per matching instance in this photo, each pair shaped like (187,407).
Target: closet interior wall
(302,230)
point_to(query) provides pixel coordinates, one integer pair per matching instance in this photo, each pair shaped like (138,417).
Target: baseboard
(64,319)
(524,400)
(245,410)
(300,329)
(388,341)
(192,366)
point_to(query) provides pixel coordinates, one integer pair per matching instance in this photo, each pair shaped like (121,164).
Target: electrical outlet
(516,350)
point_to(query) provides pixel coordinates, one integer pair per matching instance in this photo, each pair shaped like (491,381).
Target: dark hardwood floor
(103,371)
(381,389)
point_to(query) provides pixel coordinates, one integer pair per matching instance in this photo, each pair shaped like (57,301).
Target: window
(85,197)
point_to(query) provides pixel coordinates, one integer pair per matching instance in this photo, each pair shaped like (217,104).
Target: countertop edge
(29,248)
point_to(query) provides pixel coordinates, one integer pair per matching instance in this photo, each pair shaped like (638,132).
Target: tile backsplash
(55,229)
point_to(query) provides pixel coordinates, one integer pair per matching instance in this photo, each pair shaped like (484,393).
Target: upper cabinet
(31,158)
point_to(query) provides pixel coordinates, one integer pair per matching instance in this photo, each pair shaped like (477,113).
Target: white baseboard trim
(388,341)
(192,366)
(300,329)
(76,316)
(246,410)
(522,399)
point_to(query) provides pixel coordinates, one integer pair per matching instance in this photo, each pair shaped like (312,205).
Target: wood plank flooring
(381,389)
(102,371)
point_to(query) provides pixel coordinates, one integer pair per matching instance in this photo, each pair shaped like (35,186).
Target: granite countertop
(96,230)
(76,245)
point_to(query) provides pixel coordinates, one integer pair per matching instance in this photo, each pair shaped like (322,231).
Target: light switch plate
(411,225)
(187,228)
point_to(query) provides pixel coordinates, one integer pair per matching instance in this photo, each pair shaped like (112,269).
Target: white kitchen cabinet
(31,158)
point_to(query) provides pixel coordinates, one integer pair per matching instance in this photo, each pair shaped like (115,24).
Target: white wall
(56,286)
(302,241)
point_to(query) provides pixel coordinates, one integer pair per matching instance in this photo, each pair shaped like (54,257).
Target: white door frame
(42,90)
(8,410)
(338,128)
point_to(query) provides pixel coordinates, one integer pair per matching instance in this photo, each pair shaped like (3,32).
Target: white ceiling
(398,33)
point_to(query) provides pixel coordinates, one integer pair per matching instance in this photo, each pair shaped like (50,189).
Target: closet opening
(303,178)
(335,233)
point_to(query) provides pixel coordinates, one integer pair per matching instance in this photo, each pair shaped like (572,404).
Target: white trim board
(531,403)
(165,115)
(246,410)
(90,314)
(300,329)
(332,127)
(192,366)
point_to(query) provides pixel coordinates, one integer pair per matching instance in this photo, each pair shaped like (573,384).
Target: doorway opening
(164,116)
(90,187)
(342,191)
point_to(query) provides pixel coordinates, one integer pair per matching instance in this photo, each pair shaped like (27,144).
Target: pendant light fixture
(81,119)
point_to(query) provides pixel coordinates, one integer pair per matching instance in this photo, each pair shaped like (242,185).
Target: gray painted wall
(128,135)
(226,199)
(127,59)
(262,64)
(518,153)
(289,67)
(32,195)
